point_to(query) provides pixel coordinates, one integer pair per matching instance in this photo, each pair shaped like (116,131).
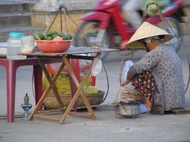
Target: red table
(11,68)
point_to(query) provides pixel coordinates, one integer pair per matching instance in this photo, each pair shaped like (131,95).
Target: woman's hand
(125,82)
(128,79)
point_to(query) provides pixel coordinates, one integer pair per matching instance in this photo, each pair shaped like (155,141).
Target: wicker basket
(51,102)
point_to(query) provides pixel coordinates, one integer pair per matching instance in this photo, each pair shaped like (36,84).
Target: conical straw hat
(147,30)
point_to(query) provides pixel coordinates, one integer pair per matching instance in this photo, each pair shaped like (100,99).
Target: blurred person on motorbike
(131,7)
(164,64)
(130,10)
(130,13)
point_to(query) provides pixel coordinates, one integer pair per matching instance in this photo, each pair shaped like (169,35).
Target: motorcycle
(105,27)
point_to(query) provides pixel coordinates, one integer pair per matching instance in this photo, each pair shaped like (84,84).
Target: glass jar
(14,46)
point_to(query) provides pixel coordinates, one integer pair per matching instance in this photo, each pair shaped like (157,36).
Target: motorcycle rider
(130,13)
(131,7)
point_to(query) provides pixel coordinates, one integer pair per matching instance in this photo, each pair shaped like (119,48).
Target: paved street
(108,127)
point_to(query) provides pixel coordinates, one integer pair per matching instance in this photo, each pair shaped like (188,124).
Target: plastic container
(27,44)
(14,46)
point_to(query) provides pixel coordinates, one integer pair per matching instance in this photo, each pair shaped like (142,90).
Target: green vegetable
(65,37)
(38,36)
(70,36)
(49,38)
(61,34)
(50,33)
(54,35)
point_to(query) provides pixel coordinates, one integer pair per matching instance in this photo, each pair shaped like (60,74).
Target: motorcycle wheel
(171,25)
(86,36)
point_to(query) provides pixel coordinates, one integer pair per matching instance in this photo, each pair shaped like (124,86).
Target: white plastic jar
(14,46)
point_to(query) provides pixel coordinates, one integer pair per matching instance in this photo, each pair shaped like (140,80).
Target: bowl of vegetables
(53,42)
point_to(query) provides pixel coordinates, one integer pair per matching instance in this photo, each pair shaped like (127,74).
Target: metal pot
(128,110)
